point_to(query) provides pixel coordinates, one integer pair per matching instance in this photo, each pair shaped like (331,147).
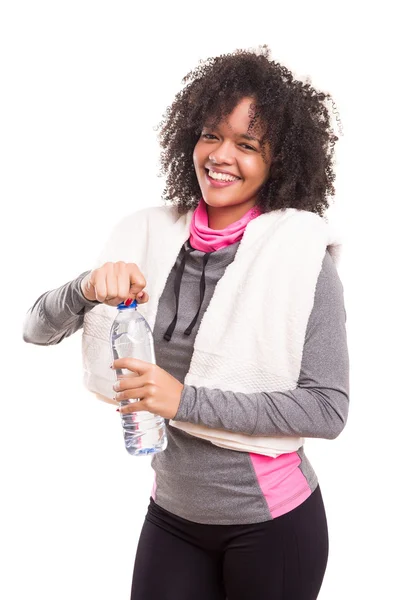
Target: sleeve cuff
(188,398)
(78,290)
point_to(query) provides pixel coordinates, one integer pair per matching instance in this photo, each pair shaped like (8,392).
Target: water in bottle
(131,336)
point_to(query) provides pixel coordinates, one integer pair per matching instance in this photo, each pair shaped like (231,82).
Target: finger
(129,383)
(132,394)
(136,279)
(136,407)
(99,284)
(123,282)
(133,364)
(111,282)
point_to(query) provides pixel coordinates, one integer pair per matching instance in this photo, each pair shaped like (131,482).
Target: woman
(248,318)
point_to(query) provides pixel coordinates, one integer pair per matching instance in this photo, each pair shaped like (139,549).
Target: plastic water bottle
(131,336)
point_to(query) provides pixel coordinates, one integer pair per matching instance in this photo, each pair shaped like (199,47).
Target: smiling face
(228,149)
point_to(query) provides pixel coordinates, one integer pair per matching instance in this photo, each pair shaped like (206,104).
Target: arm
(317,408)
(57,314)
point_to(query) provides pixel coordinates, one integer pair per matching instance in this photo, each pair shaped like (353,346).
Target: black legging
(281,559)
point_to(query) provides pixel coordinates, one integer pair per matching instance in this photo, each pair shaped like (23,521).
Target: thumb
(142,297)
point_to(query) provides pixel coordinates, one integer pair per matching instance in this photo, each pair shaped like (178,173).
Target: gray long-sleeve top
(317,407)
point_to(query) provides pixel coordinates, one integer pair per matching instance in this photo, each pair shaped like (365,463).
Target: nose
(223,154)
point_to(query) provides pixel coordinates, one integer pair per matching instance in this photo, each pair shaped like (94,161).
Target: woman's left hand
(159,392)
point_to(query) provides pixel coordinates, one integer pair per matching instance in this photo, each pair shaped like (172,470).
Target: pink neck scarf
(208,240)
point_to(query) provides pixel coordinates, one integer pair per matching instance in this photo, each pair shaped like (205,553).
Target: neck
(220,217)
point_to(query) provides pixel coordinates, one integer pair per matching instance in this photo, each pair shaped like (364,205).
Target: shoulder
(329,276)
(305,223)
(321,230)
(329,294)
(152,214)
(154,219)
(128,236)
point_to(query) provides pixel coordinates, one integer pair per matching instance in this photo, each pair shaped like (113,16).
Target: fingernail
(140,295)
(112,365)
(128,301)
(117,410)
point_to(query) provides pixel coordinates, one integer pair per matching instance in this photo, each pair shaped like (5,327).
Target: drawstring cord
(177,286)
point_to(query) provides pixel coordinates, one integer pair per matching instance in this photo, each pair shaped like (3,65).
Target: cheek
(200,153)
(196,156)
(195,160)
(257,171)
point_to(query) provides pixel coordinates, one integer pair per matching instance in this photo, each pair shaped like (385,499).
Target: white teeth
(221,176)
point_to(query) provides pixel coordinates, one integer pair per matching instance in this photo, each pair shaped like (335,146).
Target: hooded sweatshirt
(194,478)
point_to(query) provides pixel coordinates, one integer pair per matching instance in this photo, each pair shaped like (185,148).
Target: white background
(84,84)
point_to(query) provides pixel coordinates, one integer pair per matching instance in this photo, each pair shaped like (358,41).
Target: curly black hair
(292,114)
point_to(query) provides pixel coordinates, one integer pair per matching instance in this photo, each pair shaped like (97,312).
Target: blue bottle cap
(122,306)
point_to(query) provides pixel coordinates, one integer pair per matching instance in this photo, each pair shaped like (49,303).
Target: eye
(211,135)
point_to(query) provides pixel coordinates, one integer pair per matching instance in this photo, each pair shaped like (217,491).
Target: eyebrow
(249,137)
(246,136)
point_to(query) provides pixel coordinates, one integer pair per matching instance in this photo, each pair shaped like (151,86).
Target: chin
(217,203)
(221,202)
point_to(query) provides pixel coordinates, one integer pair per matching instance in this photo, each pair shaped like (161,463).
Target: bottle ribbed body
(131,337)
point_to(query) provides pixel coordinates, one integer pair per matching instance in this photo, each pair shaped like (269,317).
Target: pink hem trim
(281,481)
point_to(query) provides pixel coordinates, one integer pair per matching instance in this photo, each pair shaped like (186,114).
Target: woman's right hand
(113,283)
